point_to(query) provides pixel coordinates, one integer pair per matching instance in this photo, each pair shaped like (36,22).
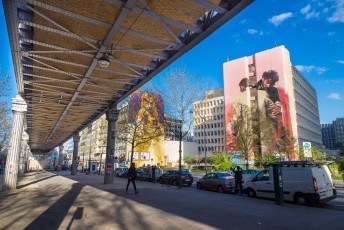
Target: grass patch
(337,177)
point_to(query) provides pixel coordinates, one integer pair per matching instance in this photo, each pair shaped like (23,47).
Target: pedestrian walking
(238,179)
(132,177)
(153,173)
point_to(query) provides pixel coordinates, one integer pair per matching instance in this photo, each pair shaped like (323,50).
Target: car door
(263,185)
(207,180)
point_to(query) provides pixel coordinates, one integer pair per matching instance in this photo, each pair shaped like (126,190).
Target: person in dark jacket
(153,173)
(132,177)
(238,179)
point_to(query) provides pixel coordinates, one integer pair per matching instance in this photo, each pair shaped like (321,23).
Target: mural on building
(148,109)
(260,82)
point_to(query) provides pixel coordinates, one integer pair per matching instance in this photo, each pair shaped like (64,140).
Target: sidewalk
(47,200)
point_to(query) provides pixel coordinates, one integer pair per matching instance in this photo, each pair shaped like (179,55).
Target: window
(263,176)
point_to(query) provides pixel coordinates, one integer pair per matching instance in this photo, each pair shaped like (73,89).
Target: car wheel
(220,189)
(251,192)
(199,186)
(300,199)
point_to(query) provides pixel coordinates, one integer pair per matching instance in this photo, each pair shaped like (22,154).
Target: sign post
(307,149)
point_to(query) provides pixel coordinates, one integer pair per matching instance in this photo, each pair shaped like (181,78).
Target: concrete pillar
(111,117)
(26,158)
(76,139)
(61,157)
(19,108)
(21,167)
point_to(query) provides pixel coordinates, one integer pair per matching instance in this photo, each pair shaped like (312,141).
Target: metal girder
(104,46)
(121,81)
(166,27)
(55,47)
(165,19)
(67,13)
(147,37)
(117,73)
(60,32)
(124,49)
(112,59)
(55,60)
(210,6)
(54,70)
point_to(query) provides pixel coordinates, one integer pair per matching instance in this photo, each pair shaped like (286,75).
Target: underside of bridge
(75,59)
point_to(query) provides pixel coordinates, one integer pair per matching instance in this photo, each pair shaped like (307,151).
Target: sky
(312,31)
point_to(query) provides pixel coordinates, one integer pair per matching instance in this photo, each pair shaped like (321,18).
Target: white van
(302,184)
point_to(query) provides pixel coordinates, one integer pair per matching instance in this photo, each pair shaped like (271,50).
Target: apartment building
(209,131)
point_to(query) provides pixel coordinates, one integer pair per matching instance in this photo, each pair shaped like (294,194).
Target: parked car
(302,184)
(171,177)
(218,181)
(121,171)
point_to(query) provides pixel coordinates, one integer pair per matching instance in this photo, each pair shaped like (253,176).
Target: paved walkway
(47,200)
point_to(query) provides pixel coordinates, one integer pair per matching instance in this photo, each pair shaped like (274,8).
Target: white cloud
(334,96)
(331,33)
(236,37)
(311,68)
(252,31)
(308,13)
(305,9)
(338,14)
(341,61)
(278,19)
(243,21)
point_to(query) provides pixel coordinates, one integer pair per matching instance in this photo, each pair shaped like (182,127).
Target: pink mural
(260,80)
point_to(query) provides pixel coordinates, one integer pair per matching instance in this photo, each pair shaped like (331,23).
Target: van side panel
(296,180)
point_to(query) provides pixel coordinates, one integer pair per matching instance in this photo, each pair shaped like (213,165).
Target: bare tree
(5,119)
(252,131)
(180,89)
(286,143)
(141,121)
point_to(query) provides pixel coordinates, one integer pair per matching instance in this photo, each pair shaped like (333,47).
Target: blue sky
(312,31)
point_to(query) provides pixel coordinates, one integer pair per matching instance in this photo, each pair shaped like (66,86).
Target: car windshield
(249,171)
(184,172)
(222,175)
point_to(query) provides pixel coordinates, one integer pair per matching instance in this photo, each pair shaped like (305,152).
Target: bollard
(278,185)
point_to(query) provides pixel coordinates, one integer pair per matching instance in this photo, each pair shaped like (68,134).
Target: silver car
(218,181)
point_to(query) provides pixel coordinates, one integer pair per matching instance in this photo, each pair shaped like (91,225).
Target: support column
(111,117)
(26,158)
(19,108)
(76,139)
(21,167)
(61,157)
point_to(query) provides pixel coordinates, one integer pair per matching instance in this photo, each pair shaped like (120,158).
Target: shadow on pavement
(34,182)
(55,214)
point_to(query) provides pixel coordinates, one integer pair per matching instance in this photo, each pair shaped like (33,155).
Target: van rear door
(322,182)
